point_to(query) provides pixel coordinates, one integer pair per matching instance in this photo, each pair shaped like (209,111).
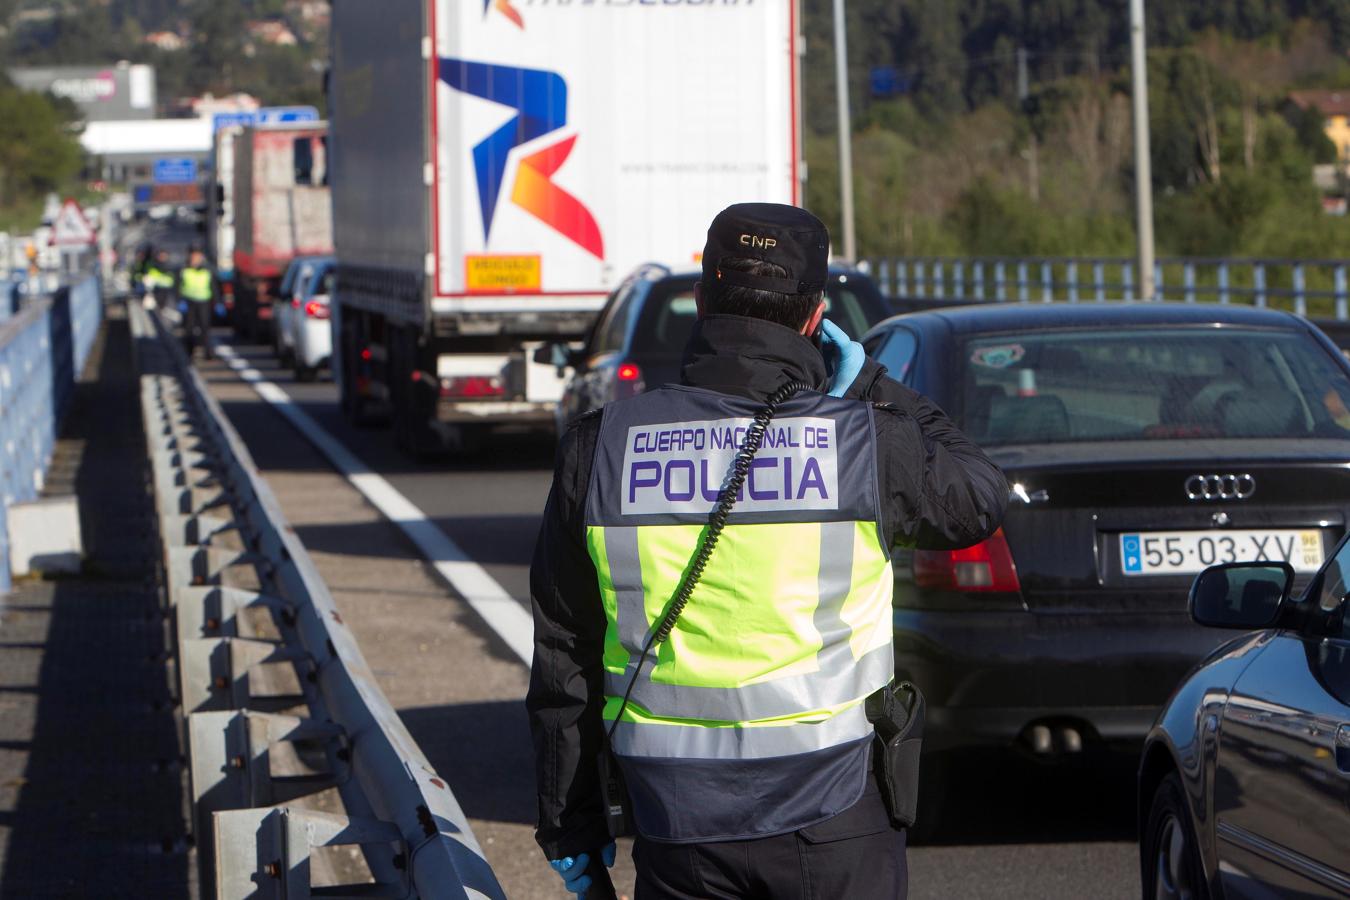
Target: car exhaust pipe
(1045,740)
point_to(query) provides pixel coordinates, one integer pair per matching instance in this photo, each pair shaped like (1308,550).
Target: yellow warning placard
(502,273)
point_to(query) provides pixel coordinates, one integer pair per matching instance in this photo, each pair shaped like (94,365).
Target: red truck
(282,211)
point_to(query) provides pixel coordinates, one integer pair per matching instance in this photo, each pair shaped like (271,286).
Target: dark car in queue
(1142,442)
(638,340)
(1244,790)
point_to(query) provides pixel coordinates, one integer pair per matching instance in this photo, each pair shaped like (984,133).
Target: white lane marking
(502,613)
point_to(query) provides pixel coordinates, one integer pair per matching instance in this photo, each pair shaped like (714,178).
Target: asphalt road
(1021,830)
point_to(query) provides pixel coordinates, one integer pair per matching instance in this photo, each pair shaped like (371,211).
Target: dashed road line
(497,608)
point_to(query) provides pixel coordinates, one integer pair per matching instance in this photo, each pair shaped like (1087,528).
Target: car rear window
(1153,384)
(669,314)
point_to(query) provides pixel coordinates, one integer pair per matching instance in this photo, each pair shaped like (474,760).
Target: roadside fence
(1308,287)
(294,751)
(43,348)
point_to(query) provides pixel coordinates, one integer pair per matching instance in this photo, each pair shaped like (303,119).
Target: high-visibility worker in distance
(712,596)
(158,280)
(196,297)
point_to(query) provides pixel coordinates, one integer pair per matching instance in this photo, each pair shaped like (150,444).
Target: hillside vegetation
(958,163)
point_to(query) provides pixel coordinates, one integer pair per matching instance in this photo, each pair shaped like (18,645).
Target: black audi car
(638,340)
(1142,442)
(1244,790)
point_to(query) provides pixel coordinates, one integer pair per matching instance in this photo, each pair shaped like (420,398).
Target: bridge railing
(293,749)
(1308,287)
(43,349)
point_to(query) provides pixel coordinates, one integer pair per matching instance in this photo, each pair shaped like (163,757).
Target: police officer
(158,280)
(744,739)
(196,297)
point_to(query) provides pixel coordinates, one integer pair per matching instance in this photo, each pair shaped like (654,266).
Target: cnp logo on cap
(783,235)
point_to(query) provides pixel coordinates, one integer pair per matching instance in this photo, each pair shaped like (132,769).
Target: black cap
(773,232)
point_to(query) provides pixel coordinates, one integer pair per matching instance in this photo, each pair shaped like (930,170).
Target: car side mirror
(1246,596)
(560,356)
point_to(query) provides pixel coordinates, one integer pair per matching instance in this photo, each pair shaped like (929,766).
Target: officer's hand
(844,355)
(573,869)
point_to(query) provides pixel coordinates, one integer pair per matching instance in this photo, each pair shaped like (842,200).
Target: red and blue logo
(505,8)
(540,101)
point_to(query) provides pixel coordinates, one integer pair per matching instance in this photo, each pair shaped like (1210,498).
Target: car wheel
(1170,857)
(303,372)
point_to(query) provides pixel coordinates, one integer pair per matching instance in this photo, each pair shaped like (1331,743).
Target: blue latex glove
(182,307)
(573,869)
(844,355)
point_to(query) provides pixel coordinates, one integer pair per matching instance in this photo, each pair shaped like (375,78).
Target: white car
(298,273)
(311,336)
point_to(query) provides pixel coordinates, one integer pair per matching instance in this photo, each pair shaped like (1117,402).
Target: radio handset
(611,779)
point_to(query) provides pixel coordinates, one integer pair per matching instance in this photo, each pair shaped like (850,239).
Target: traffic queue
(1167,585)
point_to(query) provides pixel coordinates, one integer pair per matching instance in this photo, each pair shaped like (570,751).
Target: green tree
(38,153)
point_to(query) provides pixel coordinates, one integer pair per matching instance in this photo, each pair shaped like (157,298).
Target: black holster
(897,714)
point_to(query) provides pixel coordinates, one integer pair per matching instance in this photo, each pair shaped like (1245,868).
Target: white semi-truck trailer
(499,166)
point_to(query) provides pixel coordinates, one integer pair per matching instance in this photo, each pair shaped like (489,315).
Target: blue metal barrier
(43,348)
(1306,287)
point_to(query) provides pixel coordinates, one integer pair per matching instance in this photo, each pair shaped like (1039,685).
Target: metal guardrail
(43,348)
(281,709)
(1303,286)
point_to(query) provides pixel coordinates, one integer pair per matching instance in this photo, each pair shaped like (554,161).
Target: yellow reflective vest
(750,719)
(195,285)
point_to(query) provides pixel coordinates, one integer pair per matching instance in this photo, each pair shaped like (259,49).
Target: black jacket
(939,491)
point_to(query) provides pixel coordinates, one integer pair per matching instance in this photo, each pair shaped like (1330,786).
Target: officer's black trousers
(855,855)
(197,327)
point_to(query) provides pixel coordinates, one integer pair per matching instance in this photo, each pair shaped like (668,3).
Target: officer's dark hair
(791,310)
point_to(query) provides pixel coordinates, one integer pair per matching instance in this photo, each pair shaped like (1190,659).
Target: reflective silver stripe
(669,741)
(625,572)
(839,677)
(839,681)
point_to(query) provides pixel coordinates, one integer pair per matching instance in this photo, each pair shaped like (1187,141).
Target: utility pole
(845,133)
(1143,164)
(1033,147)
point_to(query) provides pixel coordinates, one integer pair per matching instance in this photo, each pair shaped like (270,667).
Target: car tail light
(986,567)
(629,372)
(316,310)
(295,302)
(366,355)
(628,381)
(473,387)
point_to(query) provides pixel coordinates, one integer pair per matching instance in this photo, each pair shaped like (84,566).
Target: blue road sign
(270,115)
(175,170)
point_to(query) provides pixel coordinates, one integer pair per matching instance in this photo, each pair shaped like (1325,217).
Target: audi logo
(1220,487)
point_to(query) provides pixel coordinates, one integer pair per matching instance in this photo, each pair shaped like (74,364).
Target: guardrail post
(978,273)
(901,279)
(1071,275)
(1047,281)
(959,280)
(1188,281)
(1223,282)
(937,280)
(1023,287)
(1000,282)
(1099,280)
(1127,282)
(1158,293)
(1259,283)
(884,276)
(1342,312)
(920,286)
(1300,295)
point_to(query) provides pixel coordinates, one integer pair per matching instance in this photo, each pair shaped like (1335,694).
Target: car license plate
(1188,552)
